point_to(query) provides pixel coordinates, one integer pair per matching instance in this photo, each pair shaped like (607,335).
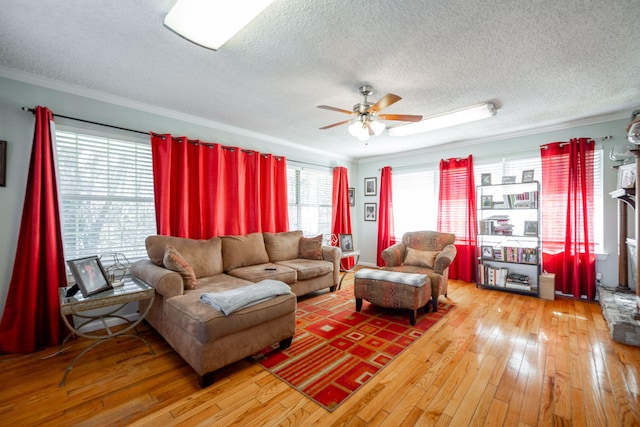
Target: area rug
(337,350)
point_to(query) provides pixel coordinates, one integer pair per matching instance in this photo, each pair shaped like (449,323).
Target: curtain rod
(33,111)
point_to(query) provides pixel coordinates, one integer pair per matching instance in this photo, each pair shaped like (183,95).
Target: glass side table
(349,254)
(116,298)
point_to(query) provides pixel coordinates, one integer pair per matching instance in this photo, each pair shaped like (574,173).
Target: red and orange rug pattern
(336,350)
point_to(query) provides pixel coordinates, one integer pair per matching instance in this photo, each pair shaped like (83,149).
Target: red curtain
(385,214)
(204,190)
(340,209)
(567,215)
(31,318)
(457,214)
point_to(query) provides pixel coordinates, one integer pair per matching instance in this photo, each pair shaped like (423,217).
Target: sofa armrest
(166,282)
(333,254)
(445,258)
(393,256)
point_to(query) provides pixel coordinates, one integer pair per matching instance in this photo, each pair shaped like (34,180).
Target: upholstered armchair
(424,252)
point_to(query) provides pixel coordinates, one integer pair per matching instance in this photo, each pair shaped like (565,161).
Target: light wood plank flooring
(496,359)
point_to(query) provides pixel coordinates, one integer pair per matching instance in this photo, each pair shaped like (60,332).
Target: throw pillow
(420,258)
(311,247)
(175,262)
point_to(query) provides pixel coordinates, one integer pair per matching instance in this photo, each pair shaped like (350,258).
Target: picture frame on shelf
(352,196)
(485,179)
(346,242)
(486,202)
(627,176)
(370,186)
(486,252)
(509,179)
(370,211)
(90,275)
(530,228)
(527,176)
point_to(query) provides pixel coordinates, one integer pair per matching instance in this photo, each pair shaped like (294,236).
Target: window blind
(106,192)
(415,201)
(309,193)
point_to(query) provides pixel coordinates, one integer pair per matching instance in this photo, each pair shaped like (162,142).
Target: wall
(16,127)
(607,263)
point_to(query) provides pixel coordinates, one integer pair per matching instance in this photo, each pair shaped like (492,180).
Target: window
(531,161)
(310,192)
(415,201)
(106,188)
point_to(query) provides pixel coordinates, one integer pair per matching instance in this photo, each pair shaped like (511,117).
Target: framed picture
(486,202)
(89,274)
(486,252)
(627,176)
(370,186)
(370,211)
(509,179)
(531,228)
(485,179)
(346,242)
(527,176)
(352,196)
(3,163)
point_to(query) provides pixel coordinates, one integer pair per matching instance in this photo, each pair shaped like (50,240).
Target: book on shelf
(518,286)
(518,278)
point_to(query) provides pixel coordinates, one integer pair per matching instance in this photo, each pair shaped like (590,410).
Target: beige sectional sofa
(205,337)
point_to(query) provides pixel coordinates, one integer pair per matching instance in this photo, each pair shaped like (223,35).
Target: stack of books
(518,281)
(501,225)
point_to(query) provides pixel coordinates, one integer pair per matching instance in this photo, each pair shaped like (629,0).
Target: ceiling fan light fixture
(377,127)
(453,118)
(210,24)
(634,133)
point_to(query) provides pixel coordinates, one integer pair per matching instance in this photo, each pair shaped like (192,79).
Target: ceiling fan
(366,115)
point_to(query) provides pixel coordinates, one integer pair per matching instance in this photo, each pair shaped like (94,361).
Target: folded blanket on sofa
(246,296)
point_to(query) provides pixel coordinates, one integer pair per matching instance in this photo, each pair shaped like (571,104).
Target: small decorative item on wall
(527,176)
(3,163)
(370,211)
(352,196)
(509,179)
(89,274)
(346,242)
(627,176)
(370,186)
(485,179)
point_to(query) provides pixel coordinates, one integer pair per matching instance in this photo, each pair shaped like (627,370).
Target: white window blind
(106,188)
(309,196)
(415,200)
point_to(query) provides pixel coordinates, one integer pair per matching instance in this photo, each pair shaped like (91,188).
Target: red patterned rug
(336,350)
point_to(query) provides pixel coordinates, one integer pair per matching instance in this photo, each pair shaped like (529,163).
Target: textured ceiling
(542,62)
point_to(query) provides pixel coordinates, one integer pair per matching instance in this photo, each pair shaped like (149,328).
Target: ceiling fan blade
(400,117)
(339,110)
(335,124)
(385,101)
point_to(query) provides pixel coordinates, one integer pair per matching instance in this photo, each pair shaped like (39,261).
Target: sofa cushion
(307,268)
(241,251)
(207,324)
(256,273)
(420,258)
(282,246)
(311,247)
(175,262)
(204,256)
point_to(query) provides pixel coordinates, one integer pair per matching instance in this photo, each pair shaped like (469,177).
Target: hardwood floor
(495,359)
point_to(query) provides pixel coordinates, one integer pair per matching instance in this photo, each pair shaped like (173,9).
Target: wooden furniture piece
(115,298)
